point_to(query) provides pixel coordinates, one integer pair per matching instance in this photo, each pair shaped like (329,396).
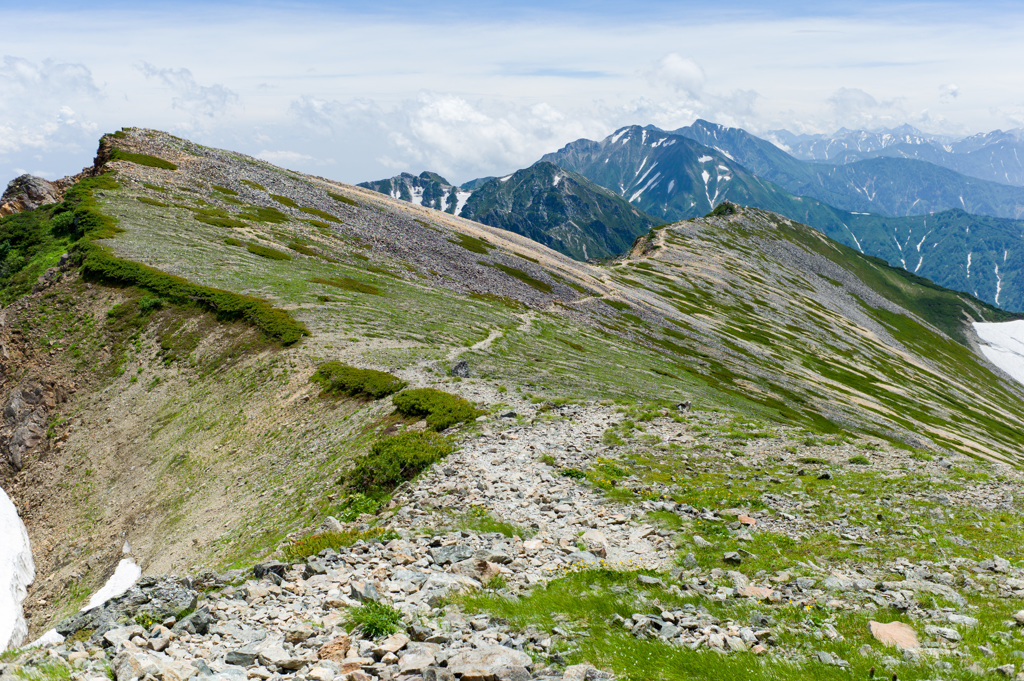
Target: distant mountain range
(553,206)
(961,232)
(996,156)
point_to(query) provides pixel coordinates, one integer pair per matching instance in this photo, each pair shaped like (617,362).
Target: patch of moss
(347,284)
(267,252)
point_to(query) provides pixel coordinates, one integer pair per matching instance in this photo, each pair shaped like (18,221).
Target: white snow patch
(17,571)
(969,265)
(672,184)
(506,178)
(642,164)
(705,159)
(645,187)
(706,175)
(643,137)
(417,196)
(724,169)
(558,178)
(999,284)
(615,138)
(125,575)
(460,201)
(1003,345)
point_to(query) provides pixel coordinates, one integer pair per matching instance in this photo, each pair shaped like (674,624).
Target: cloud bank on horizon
(474,89)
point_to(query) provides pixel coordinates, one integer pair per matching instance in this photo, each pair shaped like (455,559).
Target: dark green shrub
(258,214)
(340,379)
(472,244)
(319,213)
(394,459)
(151,202)
(267,252)
(223,190)
(232,241)
(284,200)
(254,185)
(302,248)
(442,410)
(859,460)
(347,284)
(375,619)
(141,159)
(343,199)
(229,223)
(722,209)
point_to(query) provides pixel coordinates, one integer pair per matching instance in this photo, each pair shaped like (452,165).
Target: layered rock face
(28,192)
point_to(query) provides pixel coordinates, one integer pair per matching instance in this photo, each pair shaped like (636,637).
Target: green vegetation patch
(267,252)
(254,185)
(216,221)
(374,619)
(284,200)
(311,545)
(472,243)
(442,410)
(319,213)
(342,199)
(141,159)
(395,459)
(347,284)
(340,379)
(99,264)
(152,202)
(261,214)
(223,190)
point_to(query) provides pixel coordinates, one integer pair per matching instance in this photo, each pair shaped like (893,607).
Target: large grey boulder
(27,192)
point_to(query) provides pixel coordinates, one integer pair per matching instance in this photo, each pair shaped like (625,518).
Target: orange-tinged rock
(896,634)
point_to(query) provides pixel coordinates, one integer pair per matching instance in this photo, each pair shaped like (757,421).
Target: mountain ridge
(738,377)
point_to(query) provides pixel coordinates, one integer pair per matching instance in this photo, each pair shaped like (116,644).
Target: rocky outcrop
(28,192)
(24,417)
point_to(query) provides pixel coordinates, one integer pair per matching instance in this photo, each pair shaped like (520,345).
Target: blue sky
(357,91)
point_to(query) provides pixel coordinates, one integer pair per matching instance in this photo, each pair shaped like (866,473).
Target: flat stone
(756,592)
(486,659)
(415,662)
(746,520)
(943,632)
(392,644)
(896,634)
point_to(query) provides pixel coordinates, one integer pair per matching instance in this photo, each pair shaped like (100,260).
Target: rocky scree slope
(511,561)
(210,444)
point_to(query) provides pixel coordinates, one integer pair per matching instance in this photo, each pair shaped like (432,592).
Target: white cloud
(682,74)
(36,112)
(190,96)
(855,108)
(284,158)
(949,91)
